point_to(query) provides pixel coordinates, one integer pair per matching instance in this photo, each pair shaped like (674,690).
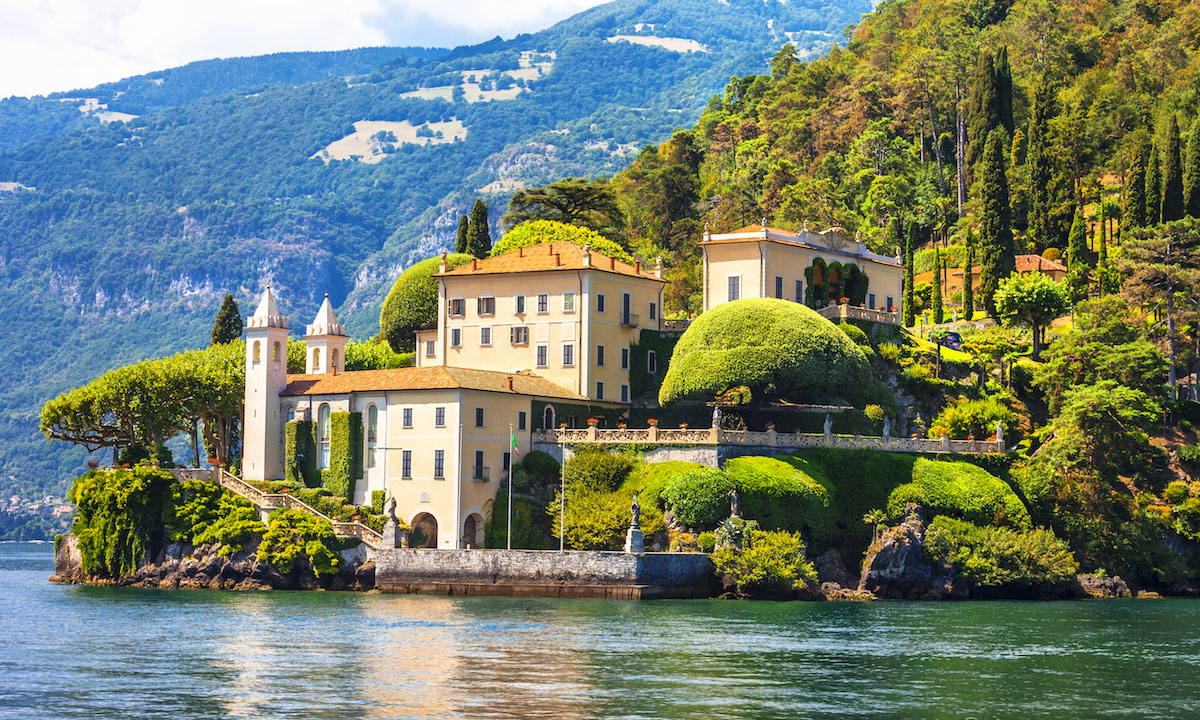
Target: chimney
(658,268)
(510,383)
(474,263)
(550,247)
(520,252)
(442,264)
(587,255)
(637,266)
(557,260)
(612,263)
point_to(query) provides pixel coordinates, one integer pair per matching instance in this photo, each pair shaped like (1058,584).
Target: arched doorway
(548,418)
(473,531)
(428,525)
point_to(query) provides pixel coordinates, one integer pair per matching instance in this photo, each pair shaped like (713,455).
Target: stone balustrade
(846,311)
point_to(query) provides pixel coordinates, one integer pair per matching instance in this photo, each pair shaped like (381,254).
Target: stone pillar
(634,543)
(771,439)
(653,431)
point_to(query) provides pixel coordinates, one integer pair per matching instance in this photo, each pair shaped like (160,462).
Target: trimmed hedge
(959,490)
(593,470)
(780,495)
(763,343)
(411,304)
(300,454)
(345,454)
(699,498)
(537,232)
(649,480)
(858,481)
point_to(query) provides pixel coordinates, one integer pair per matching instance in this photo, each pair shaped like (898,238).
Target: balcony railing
(482,474)
(629,320)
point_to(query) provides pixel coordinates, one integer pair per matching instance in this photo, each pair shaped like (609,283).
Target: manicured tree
(1040,170)
(1034,300)
(910,317)
(998,259)
(1134,215)
(1077,256)
(1172,175)
(1153,187)
(1191,171)
(1004,89)
(936,293)
(537,232)
(411,304)
(968,292)
(460,242)
(228,325)
(479,234)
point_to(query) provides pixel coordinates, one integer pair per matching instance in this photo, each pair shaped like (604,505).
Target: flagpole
(513,439)
(562,494)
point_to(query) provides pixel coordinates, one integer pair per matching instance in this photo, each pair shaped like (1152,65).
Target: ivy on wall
(852,283)
(574,414)
(345,454)
(300,453)
(640,378)
(119,517)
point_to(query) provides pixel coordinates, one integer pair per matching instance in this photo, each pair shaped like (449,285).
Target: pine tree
(1172,175)
(1135,191)
(1004,88)
(479,234)
(1040,174)
(228,325)
(935,296)
(997,256)
(1191,171)
(910,316)
(460,243)
(983,112)
(1153,187)
(968,292)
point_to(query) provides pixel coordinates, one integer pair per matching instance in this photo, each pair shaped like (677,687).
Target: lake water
(81,652)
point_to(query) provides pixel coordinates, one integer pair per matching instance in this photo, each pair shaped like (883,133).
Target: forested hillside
(123,226)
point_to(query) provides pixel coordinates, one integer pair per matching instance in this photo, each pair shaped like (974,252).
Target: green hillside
(119,238)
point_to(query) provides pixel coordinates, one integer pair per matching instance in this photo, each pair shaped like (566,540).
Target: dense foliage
(536,232)
(411,304)
(769,563)
(959,490)
(120,517)
(996,556)
(295,539)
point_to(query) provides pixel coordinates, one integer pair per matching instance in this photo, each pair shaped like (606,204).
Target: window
(485,336)
(485,306)
(548,418)
(372,434)
(439,417)
(568,354)
(519,304)
(406,464)
(599,389)
(505,461)
(543,303)
(599,356)
(543,355)
(519,335)
(333,360)
(624,392)
(735,287)
(439,463)
(480,470)
(323,434)
(568,302)
(291,414)
(430,348)
(275,353)
(891,304)
(799,291)
(600,302)
(455,337)
(406,418)
(478,417)
(257,351)
(651,362)
(522,420)
(653,310)
(871,300)
(778,287)
(316,360)
(624,358)
(458,307)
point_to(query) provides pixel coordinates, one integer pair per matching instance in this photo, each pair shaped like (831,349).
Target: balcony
(482,474)
(629,320)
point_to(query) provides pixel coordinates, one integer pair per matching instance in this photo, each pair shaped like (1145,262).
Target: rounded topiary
(698,498)
(411,304)
(855,333)
(536,232)
(765,343)
(539,464)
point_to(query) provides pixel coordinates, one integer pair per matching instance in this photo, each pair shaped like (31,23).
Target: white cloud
(50,45)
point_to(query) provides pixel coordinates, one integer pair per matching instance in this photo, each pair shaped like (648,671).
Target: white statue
(999,431)
(828,424)
(716,416)
(887,426)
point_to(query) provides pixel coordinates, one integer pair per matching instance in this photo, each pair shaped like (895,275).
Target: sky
(53,45)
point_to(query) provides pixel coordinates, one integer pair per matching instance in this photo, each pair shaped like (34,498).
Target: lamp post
(562,495)
(510,483)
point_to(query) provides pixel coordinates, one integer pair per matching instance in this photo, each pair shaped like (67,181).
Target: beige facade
(765,262)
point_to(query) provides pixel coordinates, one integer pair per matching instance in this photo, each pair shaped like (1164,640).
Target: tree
(936,292)
(460,241)
(228,325)
(1034,300)
(1004,89)
(1153,187)
(1191,171)
(1041,170)
(910,317)
(411,304)
(1172,177)
(1135,215)
(968,291)
(537,232)
(783,61)
(479,233)
(998,259)
(1159,263)
(587,203)
(1077,257)
(984,111)
(1101,427)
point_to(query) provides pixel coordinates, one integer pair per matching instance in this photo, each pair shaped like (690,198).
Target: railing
(629,320)
(676,326)
(482,474)
(274,501)
(714,436)
(846,311)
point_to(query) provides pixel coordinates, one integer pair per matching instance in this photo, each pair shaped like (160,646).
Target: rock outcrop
(896,566)
(1104,587)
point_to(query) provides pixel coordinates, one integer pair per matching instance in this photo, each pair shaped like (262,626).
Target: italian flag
(512,439)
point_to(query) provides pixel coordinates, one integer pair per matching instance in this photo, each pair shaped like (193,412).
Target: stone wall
(545,573)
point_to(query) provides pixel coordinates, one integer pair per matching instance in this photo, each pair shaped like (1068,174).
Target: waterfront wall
(545,573)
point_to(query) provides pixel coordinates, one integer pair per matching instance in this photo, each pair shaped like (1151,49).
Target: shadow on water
(119,652)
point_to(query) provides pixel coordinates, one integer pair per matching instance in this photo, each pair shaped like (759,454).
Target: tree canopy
(575,201)
(411,304)
(537,232)
(1031,299)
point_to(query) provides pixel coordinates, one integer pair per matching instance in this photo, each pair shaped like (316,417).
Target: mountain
(122,226)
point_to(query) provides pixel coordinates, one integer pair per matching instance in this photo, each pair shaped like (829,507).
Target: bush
(599,520)
(976,417)
(540,465)
(411,304)
(1176,492)
(772,563)
(649,480)
(294,536)
(855,333)
(707,541)
(537,232)
(120,517)
(377,498)
(764,343)
(593,470)
(1190,455)
(734,532)
(992,556)
(206,513)
(960,490)
(875,414)
(698,498)
(778,495)
(857,481)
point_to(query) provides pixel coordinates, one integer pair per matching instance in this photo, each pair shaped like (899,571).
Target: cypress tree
(968,292)
(1191,171)
(910,317)
(936,295)
(983,112)
(460,243)
(1040,173)
(1135,191)
(479,235)
(1004,87)
(997,257)
(1077,250)
(1153,187)
(228,325)
(1172,175)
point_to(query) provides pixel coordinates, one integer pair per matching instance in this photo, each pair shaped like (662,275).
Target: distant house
(1053,269)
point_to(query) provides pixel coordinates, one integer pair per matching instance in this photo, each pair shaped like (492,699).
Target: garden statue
(393,536)
(735,508)
(887,426)
(634,542)
(716,416)
(635,513)
(999,431)
(391,510)
(828,424)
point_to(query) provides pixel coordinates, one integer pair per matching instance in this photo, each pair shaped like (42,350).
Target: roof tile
(548,257)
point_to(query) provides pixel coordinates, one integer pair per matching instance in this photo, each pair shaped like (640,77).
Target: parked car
(951,340)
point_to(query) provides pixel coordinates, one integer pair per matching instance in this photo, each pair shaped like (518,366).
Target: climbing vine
(345,454)
(120,516)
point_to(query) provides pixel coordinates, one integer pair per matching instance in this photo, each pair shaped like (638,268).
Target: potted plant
(653,422)
(621,425)
(683,426)
(92,464)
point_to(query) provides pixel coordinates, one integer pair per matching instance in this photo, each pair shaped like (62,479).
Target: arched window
(548,418)
(333,360)
(316,365)
(275,353)
(257,351)
(324,434)
(372,433)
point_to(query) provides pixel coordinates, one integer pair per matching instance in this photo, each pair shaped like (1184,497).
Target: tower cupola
(326,342)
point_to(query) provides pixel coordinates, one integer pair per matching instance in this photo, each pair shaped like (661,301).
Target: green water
(79,652)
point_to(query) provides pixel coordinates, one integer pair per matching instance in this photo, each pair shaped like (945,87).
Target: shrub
(1190,455)
(593,470)
(777,494)
(764,343)
(959,490)
(734,531)
(377,499)
(698,498)
(119,517)
(875,414)
(530,526)
(855,333)
(537,232)
(857,481)
(411,304)
(707,541)
(772,563)
(1176,492)
(293,536)
(649,480)
(540,465)
(917,374)
(978,418)
(599,520)
(992,556)
(205,514)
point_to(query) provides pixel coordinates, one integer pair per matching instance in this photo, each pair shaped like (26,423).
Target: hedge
(959,490)
(345,454)
(649,480)
(120,517)
(780,495)
(594,470)
(699,498)
(300,454)
(858,482)
(411,304)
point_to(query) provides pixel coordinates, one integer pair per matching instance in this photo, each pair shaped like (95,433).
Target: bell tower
(266,334)
(326,343)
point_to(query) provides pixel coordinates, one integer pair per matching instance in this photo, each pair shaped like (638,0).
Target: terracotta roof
(425,378)
(548,257)
(1025,263)
(753,233)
